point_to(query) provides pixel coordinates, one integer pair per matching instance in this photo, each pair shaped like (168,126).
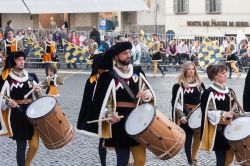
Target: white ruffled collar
(21,79)
(224,91)
(123,75)
(195,84)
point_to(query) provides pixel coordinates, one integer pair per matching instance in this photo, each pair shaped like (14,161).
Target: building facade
(207,17)
(181,17)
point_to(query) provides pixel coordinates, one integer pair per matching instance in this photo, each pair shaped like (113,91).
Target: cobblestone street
(83,150)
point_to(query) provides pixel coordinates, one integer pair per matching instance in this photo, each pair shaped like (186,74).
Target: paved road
(82,151)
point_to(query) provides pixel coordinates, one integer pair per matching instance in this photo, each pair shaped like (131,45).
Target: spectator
(65,34)
(19,35)
(8,28)
(240,37)
(95,33)
(105,44)
(229,46)
(65,25)
(74,39)
(23,32)
(57,37)
(183,50)
(163,54)
(136,52)
(93,46)
(116,40)
(130,39)
(29,35)
(194,52)
(243,58)
(173,52)
(82,38)
(69,36)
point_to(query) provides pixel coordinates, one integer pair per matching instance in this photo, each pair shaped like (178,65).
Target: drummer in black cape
(186,97)
(219,106)
(246,93)
(115,94)
(87,100)
(14,122)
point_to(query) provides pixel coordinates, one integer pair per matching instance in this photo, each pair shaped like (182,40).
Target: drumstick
(105,119)
(32,90)
(143,86)
(9,99)
(230,108)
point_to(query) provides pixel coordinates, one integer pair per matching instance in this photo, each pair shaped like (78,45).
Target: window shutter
(218,6)
(175,6)
(186,6)
(207,6)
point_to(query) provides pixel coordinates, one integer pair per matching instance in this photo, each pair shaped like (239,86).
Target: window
(213,6)
(181,6)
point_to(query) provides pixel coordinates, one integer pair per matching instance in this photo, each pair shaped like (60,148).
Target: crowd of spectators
(173,52)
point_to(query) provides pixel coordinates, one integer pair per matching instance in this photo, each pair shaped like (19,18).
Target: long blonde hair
(181,79)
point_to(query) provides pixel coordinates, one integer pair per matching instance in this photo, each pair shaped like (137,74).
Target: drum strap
(131,94)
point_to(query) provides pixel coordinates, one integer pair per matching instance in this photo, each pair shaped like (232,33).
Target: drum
(151,128)
(237,133)
(194,120)
(53,127)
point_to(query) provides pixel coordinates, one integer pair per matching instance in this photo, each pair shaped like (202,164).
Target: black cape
(246,93)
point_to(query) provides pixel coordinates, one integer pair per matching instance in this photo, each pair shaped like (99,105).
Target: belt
(190,106)
(126,104)
(24,101)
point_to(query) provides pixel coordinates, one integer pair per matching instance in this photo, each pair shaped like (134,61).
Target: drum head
(238,129)
(41,107)
(194,120)
(139,119)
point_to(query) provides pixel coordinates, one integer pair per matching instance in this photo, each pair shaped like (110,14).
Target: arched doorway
(170,34)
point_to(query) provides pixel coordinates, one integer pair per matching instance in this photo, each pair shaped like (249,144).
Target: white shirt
(136,49)
(240,36)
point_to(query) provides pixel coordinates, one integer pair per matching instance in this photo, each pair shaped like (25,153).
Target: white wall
(19,21)
(82,20)
(232,10)
(149,17)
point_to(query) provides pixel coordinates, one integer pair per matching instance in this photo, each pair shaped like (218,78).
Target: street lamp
(156,16)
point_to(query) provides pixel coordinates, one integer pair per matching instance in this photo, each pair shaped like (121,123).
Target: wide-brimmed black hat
(121,46)
(107,59)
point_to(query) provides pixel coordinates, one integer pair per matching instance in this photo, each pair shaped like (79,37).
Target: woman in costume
(14,122)
(216,105)
(186,97)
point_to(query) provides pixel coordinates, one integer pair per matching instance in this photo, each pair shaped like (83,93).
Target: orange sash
(47,57)
(52,48)
(53,91)
(13,47)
